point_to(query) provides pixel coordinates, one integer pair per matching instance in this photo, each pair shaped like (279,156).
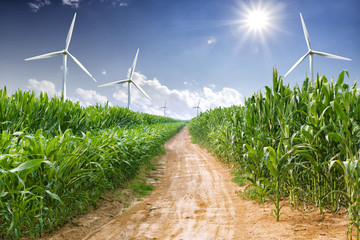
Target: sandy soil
(196,199)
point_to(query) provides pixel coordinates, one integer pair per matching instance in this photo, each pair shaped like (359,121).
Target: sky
(215,51)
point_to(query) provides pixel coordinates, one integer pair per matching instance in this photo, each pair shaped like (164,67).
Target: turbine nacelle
(197,107)
(311,53)
(164,107)
(65,53)
(129,81)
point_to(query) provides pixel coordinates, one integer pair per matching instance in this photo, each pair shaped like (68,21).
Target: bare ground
(196,199)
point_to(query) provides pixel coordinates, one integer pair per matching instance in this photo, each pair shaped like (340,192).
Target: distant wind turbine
(164,107)
(197,108)
(65,53)
(129,81)
(311,53)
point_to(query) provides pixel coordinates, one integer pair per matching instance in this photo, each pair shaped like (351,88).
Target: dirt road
(196,199)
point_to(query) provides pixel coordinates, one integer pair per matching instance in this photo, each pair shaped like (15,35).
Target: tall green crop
(56,158)
(45,182)
(299,143)
(22,110)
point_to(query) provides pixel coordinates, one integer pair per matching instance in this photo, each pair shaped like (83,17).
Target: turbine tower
(311,52)
(129,81)
(65,53)
(164,107)
(197,108)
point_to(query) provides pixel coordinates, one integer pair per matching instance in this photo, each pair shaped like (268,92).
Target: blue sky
(189,49)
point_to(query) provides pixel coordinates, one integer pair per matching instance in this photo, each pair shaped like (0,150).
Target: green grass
(252,193)
(139,186)
(239,177)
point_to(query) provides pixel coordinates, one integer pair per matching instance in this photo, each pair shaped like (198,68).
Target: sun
(255,23)
(256,20)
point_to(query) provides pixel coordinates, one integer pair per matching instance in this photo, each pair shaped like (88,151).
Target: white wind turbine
(164,107)
(311,53)
(197,108)
(129,81)
(65,53)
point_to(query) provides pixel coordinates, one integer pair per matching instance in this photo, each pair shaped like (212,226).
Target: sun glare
(257,20)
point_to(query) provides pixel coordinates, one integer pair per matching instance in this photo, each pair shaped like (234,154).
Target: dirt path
(196,199)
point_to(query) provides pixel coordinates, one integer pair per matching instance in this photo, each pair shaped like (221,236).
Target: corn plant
(57,158)
(312,127)
(279,164)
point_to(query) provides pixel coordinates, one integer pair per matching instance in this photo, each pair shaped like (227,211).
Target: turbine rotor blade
(46,55)
(296,64)
(68,39)
(307,38)
(114,83)
(81,66)
(138,87)
(328,55)
(134,64)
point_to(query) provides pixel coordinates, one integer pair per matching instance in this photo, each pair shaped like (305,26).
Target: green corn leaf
(53,195)
(28,164)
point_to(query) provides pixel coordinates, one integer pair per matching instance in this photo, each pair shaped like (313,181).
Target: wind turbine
(164,107)
(311,53)
(129,81)
(197,108)
(65,53)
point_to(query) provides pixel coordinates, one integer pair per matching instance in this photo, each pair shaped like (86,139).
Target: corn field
(297,144)
(57,157)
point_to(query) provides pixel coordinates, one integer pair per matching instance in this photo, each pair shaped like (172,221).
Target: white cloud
(72,3)
(213,86)
(180,103)
(37,4)
(90,97)
(116,3)
(85,97)
(211,41)
(191,83)
(43,86)
(76,3)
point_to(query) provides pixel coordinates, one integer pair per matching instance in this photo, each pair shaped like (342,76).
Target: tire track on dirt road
(195,200)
